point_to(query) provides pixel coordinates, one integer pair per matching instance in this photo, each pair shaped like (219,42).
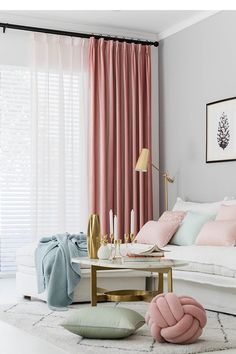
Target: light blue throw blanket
(55,271)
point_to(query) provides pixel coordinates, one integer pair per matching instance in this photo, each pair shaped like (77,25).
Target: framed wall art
(221,130)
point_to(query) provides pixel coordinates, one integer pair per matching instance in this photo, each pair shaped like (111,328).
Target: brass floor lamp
(142,166)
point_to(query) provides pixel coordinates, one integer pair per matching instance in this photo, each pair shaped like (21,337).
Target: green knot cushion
(103,322)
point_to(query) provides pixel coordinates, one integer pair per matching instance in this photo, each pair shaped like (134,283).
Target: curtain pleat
(120,83)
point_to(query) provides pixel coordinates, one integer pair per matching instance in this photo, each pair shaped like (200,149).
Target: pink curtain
(120,79)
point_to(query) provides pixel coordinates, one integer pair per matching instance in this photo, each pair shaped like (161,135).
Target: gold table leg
(160,283)
(170,280)
(93,286)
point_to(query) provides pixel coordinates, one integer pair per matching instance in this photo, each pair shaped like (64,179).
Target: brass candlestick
(132,237)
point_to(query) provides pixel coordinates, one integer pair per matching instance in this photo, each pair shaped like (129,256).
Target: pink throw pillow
(226,212)
(217,233)
(157,233)
(160,232)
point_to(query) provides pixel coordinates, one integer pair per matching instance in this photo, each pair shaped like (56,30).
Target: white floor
(15,341)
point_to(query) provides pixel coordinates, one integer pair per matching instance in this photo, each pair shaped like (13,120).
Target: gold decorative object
(104,239)
(93,236)
(132,237)
(126,237)
(142,166)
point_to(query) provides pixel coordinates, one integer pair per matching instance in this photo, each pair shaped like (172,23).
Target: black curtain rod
(74,34)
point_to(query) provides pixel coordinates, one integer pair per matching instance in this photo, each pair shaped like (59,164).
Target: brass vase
(93,236)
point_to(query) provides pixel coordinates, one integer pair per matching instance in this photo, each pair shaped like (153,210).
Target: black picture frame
(221,145)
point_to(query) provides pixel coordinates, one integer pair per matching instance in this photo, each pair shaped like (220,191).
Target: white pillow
(204,208)
(230,202)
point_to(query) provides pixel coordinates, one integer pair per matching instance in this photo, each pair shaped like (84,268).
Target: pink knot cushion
(175,319)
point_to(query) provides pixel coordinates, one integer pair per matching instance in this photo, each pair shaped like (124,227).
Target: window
(15,163)
(43,159)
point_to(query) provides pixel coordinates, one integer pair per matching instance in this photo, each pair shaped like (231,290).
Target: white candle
(132,221)
(115,228)
(111,222)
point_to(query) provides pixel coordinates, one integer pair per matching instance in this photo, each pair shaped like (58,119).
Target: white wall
(15,48)
(197,66)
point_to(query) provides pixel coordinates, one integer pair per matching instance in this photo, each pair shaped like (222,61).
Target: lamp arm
(163,174)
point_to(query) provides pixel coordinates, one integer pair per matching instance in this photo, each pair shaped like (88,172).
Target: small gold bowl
(126,295)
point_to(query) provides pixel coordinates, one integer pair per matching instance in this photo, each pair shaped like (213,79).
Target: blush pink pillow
(217,233)
(226,212)
(160,232)
(157,233)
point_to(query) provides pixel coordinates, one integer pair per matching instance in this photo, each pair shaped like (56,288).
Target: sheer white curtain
(59,127)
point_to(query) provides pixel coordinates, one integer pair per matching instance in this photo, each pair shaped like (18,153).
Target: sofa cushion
(205,208)
(157,232)
(25,256)
(190,228)
(226,212)
(230,201)
(217,233)
(218,260)
(160,232)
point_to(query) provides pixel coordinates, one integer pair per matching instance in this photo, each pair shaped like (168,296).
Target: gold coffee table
(161,266)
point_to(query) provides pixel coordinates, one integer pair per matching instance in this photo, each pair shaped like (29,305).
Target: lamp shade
(142,163)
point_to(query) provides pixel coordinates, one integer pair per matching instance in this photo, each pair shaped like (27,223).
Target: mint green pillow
(103,322)
(190,228)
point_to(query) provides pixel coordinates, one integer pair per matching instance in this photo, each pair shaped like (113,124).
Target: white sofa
(26,282)
(210,276)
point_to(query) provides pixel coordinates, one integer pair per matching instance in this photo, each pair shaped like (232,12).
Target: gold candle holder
(117,254)
(126,237)
(111,245)
(111,238)
(132,237)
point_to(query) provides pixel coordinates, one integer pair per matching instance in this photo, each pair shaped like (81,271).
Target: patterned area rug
(35,317)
